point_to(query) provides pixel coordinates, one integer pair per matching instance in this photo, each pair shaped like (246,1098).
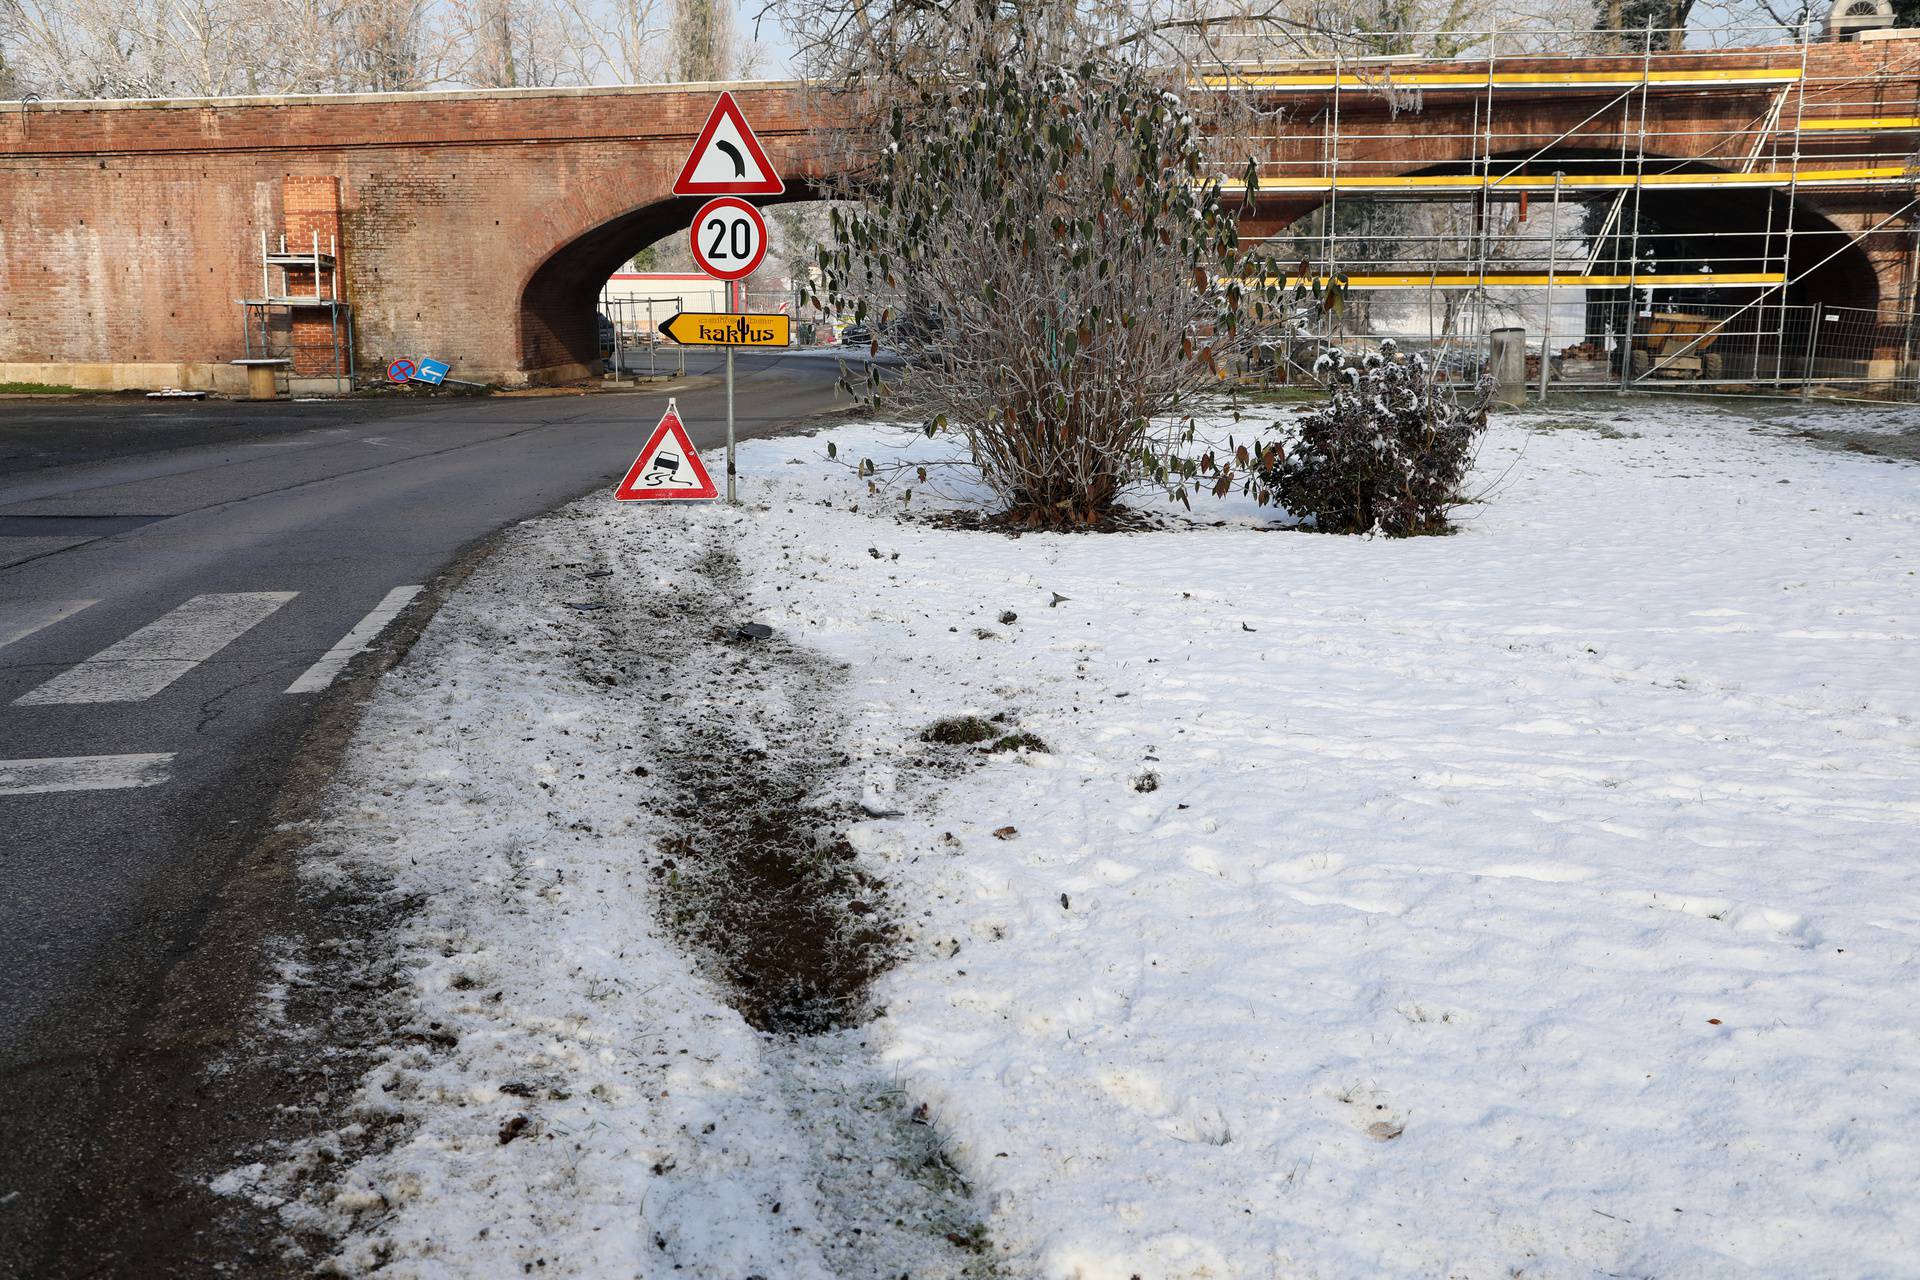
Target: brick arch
(467,220)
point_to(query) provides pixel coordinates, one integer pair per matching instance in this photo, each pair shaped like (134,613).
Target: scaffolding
(304,322)
(1709,212)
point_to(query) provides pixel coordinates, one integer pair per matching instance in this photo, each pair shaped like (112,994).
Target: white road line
(334,661)
(159,653)
(83,773)
(17,622)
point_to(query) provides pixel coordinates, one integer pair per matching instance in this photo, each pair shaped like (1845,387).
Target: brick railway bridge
(479,226)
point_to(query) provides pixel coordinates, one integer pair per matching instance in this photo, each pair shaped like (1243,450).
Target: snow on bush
(1388,453)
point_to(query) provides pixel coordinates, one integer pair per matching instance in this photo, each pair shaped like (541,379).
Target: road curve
(181,586)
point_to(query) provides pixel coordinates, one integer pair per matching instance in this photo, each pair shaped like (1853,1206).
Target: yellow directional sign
(719,329)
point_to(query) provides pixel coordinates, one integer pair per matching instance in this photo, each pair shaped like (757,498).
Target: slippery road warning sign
(728,160)
(668,467)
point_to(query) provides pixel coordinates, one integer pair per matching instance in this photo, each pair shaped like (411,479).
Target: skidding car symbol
(664,467)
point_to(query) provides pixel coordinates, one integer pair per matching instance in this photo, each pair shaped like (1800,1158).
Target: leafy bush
(1388,452)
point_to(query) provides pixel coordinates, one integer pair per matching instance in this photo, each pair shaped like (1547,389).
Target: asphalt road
(168,570)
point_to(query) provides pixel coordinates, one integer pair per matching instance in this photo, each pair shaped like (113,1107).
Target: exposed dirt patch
(958,731)
(1899,446)
(1605,430)
(960,742)
(758,878)
(1117,520)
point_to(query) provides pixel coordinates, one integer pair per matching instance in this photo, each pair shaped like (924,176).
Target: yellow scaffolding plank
(1860,124)
(1531,182)
(1318,81)
(1540,280)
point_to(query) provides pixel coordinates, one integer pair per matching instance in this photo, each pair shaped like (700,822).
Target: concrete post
(263,376)
(1507,360)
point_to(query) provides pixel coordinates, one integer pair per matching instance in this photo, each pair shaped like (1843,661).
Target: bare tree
(622,41)
(12,84)
(701,37)
(161,48)
(1045,240)
(381,48)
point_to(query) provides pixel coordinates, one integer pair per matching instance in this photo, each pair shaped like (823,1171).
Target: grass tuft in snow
(990,735)
(958,731)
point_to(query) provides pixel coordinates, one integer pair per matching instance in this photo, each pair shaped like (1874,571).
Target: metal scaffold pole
(1793,201)
(741,307)
(1483,209)
(1553,266)
(1639,185)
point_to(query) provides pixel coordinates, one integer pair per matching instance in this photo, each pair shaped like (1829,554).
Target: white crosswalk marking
(161,652)
(334,661)
(83,773)
(19,621)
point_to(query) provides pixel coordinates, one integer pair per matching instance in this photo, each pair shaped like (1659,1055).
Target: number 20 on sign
(729,238)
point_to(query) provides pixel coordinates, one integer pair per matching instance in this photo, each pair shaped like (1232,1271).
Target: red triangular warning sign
(728,159)
(668,467)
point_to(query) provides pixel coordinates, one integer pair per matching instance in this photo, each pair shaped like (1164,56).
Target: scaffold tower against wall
(1738,217)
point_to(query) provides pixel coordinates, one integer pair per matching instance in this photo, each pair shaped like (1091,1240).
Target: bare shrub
(1045,241)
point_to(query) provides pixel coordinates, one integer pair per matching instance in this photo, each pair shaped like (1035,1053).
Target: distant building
(639,301)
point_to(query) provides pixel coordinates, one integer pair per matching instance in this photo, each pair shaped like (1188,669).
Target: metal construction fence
(1763,347)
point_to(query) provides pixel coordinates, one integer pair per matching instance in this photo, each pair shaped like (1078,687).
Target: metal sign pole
(730,498)
(1553,265)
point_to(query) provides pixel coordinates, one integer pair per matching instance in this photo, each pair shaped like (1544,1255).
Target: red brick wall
(127,232)
(311,217)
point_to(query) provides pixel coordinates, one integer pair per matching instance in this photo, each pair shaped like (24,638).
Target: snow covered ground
(1538,901)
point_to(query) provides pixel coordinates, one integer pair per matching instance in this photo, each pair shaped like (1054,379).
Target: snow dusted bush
(1388,452)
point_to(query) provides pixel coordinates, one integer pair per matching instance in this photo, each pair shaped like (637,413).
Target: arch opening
(558,324)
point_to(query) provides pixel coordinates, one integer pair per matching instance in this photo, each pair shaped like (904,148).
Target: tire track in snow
(759,882)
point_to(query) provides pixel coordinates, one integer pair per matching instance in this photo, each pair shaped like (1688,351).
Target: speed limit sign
(729,238)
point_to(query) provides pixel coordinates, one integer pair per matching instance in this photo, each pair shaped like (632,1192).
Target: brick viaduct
(478,226)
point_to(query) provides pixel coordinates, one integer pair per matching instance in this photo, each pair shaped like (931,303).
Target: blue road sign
(432,371)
